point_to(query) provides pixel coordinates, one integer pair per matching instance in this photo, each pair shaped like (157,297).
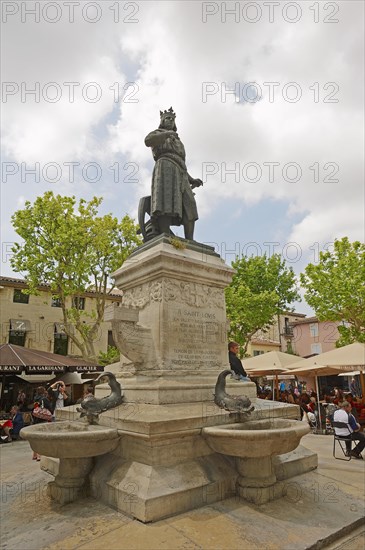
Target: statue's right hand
(171,133)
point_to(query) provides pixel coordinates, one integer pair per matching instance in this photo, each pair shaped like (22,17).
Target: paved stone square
(324,508)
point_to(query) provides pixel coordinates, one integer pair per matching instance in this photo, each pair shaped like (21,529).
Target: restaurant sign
(46,369)
(11,368)
(86,368)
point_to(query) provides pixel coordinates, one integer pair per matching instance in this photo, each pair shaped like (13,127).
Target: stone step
(297,462)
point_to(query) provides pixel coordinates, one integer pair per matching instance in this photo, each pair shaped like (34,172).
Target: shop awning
(59,328)
(46,369)
(74,378)
(18,359)
(11,369)
(20,325)
(36,377)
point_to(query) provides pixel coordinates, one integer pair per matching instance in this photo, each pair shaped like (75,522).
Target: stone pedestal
(257,476)
(70,479)
(163,466)
(172,326)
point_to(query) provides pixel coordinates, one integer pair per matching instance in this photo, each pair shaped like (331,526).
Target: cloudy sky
(269,101)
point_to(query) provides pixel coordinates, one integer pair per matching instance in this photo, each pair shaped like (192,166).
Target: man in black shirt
(235,362)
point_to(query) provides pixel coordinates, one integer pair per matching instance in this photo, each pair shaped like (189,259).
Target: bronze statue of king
(172,200)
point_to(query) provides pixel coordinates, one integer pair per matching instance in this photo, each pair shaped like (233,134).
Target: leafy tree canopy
(335,289)
(110,357)
(261,288)
(72,249)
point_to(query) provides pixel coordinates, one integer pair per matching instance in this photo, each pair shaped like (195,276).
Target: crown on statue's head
(170,112)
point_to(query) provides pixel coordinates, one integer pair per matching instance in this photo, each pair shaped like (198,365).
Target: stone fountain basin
(256,438)
(70,439)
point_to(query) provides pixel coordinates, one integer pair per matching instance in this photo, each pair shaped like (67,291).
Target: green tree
(262,288)
(335,289)
(72,249)
(110,357)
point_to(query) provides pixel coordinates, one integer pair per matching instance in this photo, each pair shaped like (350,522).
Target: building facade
(312,337)
(279,337)
(36,321)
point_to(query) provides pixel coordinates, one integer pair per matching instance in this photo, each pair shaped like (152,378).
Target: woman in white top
(58,390)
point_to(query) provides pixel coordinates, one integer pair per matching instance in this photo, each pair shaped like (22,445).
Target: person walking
(41,402)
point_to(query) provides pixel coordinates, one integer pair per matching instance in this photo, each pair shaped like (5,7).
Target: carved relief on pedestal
(136,343)
(142,295)
(171,324)
(171,290)
(133,340)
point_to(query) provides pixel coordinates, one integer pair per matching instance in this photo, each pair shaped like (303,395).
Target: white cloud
(170,53)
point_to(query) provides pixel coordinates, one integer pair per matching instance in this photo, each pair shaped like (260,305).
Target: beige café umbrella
(334,362)
(340,360)
(316,370)
(351,356)
(273,362)
(352,373)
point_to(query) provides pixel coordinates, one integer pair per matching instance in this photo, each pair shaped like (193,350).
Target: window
(111,342)
(18,331)
(313,329)
(257,352)
(17,337)
(60,342)
(55,302)
(316,348)
(19,297)
(288,331)
(78,302)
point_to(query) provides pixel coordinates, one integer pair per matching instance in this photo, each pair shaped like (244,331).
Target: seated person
(21,399)
(17,420)
(284,396)
(6,424)
(304,402)
(338,396)
(330,410)
(235,362)
(355,405)
(290,398)
(307,407)
(343,414)
(88,394)
(322,412)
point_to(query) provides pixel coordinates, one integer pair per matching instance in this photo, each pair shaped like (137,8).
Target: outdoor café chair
(341,441)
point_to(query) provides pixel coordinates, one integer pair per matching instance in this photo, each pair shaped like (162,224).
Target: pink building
(311,336)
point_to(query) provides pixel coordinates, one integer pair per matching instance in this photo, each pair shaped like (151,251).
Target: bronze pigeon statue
(91,407)
(232,403)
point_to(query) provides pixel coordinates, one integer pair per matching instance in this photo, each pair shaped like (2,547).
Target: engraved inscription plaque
(197,336)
